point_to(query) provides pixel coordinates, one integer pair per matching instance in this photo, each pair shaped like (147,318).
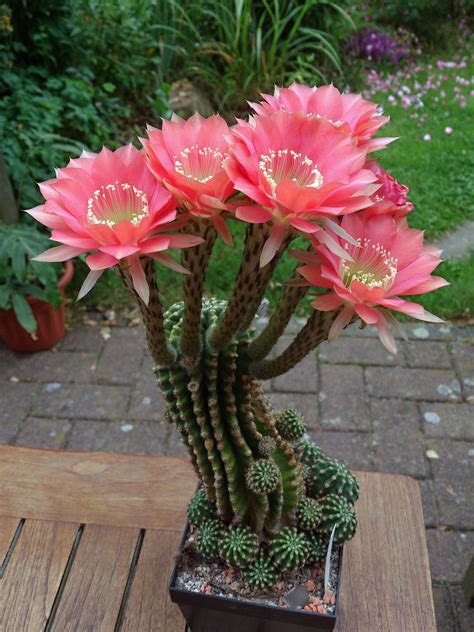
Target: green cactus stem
(308,451)
(261,574)
(239,546)
(195,260)
(200,508)
(313,333)
(209,536)
(289,549)
(308,514)
(337,511)
(290,424)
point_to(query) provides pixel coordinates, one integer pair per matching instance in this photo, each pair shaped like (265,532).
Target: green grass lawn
(438,171)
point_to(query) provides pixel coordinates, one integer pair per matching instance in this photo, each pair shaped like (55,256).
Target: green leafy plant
(235,47)
(21,277)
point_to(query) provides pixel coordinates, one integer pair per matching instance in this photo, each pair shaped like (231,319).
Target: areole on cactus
(269,496)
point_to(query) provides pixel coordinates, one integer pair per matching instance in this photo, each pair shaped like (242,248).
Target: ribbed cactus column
(224,421)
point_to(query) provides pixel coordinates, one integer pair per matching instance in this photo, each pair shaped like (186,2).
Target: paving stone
(463,354)
(359,350)
(397,439)
(343,399)
(453,485)
(303,378)
(430,512)
(419,384)
(353,448)
(445,621)
(464,616)
(433,355)
(122,356)
(44,433)
(16,399)
(124,436)
(82,338)
(59,366)
(6,360)
(9,427)
(86,401)
(306,404)
(448,420)
(450,553)
(147,402)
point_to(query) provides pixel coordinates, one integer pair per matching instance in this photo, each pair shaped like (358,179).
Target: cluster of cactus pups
(269,497)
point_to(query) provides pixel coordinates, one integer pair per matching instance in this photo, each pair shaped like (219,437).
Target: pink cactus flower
(391,261)
(391,197)
(361,117)
(299,171)
(111,204)
(188,158)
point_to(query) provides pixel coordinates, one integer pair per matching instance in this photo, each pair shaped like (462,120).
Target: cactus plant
(317,546)
(263,477)
(200,508)
(127,208)
(261,573)
(209,535)
(308,514)
(329,476)
(239,546)
(336,511)
(290,424)
(289,549)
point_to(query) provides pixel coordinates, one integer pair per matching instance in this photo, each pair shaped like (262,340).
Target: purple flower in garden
(374,45)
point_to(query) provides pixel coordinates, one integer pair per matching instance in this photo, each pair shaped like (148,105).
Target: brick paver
(410,413)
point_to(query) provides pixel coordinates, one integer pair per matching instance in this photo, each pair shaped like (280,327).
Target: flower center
(115,203)
(373,265)
(199,163)
(286,164)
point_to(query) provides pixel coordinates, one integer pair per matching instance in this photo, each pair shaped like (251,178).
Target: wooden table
(87,541)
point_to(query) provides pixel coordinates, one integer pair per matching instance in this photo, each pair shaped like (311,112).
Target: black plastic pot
(208,613)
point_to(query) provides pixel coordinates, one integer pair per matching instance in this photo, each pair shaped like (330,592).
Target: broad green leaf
(23,313)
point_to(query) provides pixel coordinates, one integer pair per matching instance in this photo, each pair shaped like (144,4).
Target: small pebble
(310,585)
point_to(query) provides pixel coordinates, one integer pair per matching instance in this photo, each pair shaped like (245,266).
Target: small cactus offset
(290,424)
(261,574)
(308,514)
(336,511)
(308,451)
(318,546)
(289,549)
(266,446)
(200,508)
(263,477)
(329,476)
(209,535)
(239,546)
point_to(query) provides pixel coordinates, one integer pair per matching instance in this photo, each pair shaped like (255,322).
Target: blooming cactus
(188,158)
(391,196)
(388,261)
(361,118)
(297,170)
(111,204)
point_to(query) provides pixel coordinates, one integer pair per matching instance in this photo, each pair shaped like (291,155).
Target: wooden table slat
(8,527)
(33,574)
(386,580)
(94,588)
(149,606)
(95,488)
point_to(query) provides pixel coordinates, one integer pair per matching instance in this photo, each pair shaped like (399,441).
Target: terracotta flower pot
(50,321)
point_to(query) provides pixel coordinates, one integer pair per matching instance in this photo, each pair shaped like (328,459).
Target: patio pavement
(411,414)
